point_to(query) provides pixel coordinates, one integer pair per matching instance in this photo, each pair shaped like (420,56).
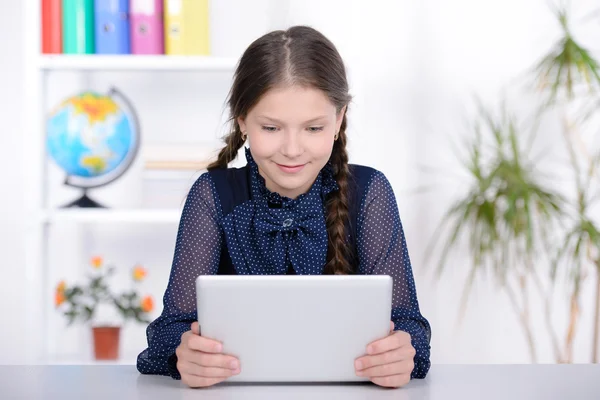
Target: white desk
(445,382)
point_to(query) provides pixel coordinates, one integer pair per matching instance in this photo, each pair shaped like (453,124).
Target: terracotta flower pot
(106,342)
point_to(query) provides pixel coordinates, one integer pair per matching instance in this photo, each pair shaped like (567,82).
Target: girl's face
(291,132)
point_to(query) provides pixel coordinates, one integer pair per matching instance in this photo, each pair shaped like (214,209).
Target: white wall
(413,67)
(12,295)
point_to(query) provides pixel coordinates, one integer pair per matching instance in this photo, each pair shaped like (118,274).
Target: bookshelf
(108,216)
(49,63)
(42,217)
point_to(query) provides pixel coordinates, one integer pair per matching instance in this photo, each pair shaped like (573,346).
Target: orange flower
(59,295)
(97,262)
(61,287)
(59,298)
(147,304)
(139,273)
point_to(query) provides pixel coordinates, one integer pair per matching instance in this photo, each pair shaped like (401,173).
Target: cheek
(320,147)
(262,145)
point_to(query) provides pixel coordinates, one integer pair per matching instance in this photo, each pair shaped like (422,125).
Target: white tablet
(295,328)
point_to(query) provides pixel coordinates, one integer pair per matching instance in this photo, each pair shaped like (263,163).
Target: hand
(200,362)
(389,361)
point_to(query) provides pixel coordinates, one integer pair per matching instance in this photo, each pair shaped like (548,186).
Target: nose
(292,146)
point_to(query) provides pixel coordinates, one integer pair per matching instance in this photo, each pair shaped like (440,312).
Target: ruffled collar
(324,184)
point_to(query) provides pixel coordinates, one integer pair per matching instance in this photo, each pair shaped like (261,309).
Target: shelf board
(95,62)
(111,216)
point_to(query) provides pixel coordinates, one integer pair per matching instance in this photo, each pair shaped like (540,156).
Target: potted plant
(569,79)
(512,216)
(82,302)
(506,214)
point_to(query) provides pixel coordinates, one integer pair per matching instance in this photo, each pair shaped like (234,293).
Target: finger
(196,328)
(391,342)
(191,368)
(391,326)
(393,381)
(397,368)
(199,343)
(200,381)
(401,354)
(214,360)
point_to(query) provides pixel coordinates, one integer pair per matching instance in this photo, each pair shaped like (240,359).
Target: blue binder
(112,27)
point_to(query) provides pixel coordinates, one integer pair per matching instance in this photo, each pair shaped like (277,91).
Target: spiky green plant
(567,67)
(567,75)
(506,213)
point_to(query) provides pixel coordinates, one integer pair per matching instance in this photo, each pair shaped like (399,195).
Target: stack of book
(172,27)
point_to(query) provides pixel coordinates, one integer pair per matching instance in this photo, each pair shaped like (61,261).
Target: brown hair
(299,56)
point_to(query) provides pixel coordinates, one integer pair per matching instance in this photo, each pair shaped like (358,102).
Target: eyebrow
(280,122)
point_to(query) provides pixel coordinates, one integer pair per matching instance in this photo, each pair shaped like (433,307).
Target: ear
(242,123)
(339,118)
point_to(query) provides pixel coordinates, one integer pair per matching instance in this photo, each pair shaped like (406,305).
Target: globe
(94,139)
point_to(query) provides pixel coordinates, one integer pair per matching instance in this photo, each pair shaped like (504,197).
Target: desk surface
(444,382)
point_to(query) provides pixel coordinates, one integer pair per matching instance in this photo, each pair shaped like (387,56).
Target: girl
(297,207)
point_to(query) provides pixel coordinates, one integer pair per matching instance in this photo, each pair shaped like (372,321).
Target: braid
(338,252)
(299,56)
(233,142)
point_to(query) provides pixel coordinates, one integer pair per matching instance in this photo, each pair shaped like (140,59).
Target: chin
(291,183)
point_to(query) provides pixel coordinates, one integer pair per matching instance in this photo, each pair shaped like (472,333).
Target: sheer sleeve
(197,252)
(382,250)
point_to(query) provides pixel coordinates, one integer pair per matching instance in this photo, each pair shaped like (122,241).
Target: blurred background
(482,111)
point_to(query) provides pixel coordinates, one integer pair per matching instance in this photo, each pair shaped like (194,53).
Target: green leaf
(506,212)
(89,312)
(566,66)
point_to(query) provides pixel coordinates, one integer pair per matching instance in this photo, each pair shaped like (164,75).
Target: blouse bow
(270,232)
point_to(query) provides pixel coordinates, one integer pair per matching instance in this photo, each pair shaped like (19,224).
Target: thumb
(195,328)
(391,326)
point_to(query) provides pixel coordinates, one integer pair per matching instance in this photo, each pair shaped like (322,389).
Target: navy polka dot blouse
(271,234)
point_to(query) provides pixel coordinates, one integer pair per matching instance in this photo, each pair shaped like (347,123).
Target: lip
(291,169)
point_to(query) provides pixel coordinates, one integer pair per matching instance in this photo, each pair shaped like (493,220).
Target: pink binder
(146,26)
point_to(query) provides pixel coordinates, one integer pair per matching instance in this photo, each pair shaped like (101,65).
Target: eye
(315,129)
(269,128)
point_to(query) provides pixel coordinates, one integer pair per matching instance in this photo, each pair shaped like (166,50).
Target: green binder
(78,26)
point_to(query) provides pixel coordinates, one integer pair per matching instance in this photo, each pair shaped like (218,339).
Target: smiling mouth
(291,168)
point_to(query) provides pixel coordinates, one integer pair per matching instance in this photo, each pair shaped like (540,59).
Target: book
(146,26)
(187,27)
(174,156)
(111,20)
(174,27)
(78,26)
(196,25)
(51,27)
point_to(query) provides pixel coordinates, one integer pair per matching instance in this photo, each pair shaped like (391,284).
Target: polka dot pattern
(382,250)
(197,252)
(272,234)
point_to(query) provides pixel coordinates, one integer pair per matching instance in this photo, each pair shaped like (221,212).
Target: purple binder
(112,26)
(147,36)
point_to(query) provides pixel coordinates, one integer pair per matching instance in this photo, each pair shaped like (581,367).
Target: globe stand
(83,202)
